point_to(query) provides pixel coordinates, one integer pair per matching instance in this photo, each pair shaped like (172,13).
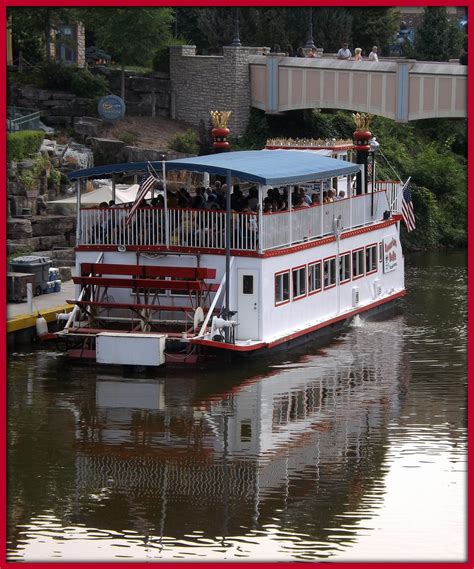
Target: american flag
(408,213)
(146,183)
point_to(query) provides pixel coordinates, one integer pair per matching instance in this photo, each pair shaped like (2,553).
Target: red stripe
(260,345)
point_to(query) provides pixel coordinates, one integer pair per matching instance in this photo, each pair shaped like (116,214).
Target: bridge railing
(206,229)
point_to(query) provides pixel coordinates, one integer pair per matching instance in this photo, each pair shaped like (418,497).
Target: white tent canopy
(123,194)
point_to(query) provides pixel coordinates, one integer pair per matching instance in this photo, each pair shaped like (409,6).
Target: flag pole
(167,234)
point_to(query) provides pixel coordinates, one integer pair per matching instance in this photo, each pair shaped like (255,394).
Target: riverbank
(21,318)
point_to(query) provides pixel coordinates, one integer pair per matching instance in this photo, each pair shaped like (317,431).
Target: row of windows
(314,277)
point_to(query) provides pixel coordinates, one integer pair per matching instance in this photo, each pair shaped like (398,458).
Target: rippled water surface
(355,451)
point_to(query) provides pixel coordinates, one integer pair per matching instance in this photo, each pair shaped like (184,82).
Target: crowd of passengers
(214,198)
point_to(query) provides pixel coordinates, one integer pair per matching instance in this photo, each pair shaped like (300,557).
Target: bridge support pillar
(272,82)
(402,90)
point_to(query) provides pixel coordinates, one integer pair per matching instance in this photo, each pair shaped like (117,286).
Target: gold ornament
(219,119)
(362,120)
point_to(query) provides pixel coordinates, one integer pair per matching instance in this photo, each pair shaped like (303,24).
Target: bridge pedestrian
(358,54)
(300,52)
(373,56)
(313,52)
(463,56)
(289,51)
(344,52)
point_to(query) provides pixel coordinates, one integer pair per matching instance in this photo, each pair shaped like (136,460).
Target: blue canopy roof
(102,171)
(267,167)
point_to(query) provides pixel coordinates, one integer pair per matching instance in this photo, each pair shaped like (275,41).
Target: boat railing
(393,190)
(205,229)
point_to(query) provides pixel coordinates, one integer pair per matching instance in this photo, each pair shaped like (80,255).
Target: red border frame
(376,260)
(320,263)
(298,268)
(324,272)
(290,288)
(470,402)
(352,260)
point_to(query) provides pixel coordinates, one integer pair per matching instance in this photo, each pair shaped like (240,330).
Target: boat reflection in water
(290,450)
(213,467)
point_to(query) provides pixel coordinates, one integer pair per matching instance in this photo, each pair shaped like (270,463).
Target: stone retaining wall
(58,109)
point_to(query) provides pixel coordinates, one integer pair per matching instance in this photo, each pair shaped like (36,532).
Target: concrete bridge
(402,90)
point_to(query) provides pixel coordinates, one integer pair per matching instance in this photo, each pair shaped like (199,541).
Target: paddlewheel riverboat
(171,284)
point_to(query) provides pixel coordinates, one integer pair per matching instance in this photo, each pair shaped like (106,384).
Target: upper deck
(250,232)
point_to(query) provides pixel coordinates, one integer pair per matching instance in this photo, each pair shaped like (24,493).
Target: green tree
(332,27)
(373,26)
(32,28)
(437,38)
(131,35)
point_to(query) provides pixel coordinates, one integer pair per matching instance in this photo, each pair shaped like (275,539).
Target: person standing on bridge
(373,56)
(358,54)
(344,52)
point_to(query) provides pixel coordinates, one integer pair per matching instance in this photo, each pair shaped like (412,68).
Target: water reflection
(274,460)
(166,457)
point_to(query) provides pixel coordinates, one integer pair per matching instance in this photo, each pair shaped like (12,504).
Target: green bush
(130,138)
(186,142)
(72,79)
(22,144)
(161,59)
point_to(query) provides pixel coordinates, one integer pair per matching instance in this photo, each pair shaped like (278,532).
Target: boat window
(345,267)
(247,284)
(246,431)
(371,259)
(330,272)
(358,263)
(314,277)
(299,282)
(282,287)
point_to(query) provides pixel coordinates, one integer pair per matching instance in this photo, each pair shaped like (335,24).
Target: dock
(21,323)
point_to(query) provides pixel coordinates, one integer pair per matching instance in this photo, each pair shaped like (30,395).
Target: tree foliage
(32,27)
(437,38)
(373,26)
(131,35)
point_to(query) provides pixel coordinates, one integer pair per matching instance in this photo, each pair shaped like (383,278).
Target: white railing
(205,229)
(187,228)
(394,193)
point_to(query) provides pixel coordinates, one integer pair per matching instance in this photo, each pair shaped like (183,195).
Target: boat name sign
(390,261)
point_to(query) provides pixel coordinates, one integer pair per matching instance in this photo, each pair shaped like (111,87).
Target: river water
(351,452)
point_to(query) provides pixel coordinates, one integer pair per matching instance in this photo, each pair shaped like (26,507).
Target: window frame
(299,268)
(314,263)
(280,274)
(331,258)
(347,254)
(374,258)
(354,265)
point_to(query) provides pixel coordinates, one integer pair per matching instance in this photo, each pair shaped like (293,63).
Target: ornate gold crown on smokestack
(219,119)
(362,120)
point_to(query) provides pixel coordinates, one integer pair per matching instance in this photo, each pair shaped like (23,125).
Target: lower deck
(272,299)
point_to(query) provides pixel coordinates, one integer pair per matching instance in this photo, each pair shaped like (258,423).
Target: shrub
(22,144)
(186,142)
(161,59)
(130,138)
(70,78)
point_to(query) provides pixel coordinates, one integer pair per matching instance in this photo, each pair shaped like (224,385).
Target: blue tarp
(269,167)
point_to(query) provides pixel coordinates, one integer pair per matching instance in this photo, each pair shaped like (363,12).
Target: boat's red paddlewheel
(145,312)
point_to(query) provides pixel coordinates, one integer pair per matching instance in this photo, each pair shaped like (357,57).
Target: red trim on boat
(254,347)
(239,253)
